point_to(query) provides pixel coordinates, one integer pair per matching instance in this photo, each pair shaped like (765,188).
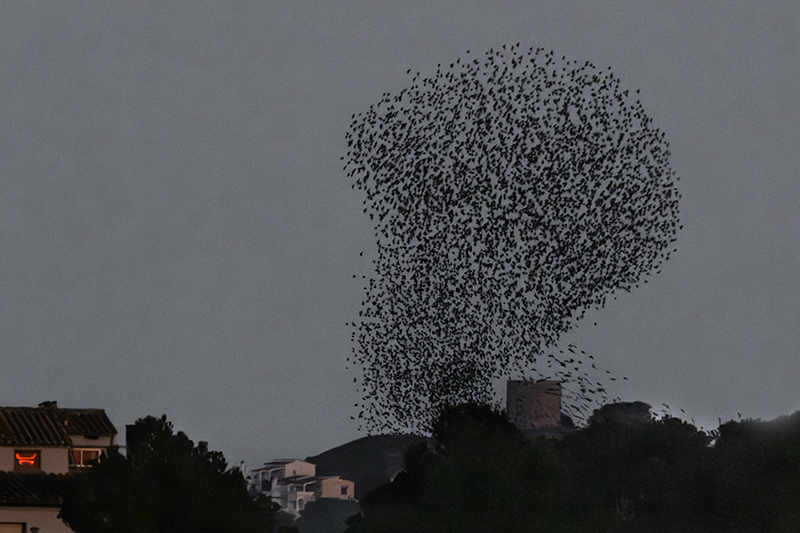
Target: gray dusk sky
(177,235)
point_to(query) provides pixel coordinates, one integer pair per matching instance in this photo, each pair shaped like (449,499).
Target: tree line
(624,472)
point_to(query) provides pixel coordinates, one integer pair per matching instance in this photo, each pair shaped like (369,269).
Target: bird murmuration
(510,193)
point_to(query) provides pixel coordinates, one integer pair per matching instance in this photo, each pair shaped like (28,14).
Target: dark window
(84,457)
(344,491)
(27,460)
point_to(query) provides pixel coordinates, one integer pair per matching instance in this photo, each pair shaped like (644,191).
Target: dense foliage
(478,478)
(165,483)
(622,473)
(510,193)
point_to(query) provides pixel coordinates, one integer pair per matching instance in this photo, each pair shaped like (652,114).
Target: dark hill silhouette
(369,462)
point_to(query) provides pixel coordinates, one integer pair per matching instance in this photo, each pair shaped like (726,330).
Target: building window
(344,491)
(81,457)
(27,460)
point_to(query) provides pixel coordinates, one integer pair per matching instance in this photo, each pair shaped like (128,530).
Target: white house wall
(79,441)
(300,468)
(52,460)
(6,459)
(332,488)
(45,518)
(55,460)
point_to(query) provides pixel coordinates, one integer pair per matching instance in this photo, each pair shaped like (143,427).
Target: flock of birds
(510,192)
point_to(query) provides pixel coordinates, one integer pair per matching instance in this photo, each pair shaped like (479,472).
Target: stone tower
(534,405)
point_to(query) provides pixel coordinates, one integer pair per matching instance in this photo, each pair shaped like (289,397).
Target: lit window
(27,460)
(84,457)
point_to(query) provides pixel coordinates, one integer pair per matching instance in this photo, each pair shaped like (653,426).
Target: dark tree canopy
(626,472)
(510,193)
(165,483)
(481,476)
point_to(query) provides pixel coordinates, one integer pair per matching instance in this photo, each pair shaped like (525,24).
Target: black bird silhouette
(510,193)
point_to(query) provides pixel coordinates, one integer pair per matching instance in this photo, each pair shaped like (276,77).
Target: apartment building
(293,483)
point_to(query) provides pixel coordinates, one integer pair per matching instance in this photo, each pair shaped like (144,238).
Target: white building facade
(293,484)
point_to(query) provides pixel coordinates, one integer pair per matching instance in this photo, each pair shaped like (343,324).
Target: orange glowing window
(27,460)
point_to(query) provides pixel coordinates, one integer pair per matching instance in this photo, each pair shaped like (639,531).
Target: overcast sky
(177,235)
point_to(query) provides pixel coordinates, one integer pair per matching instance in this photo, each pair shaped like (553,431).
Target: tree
(630,472)
(755,475)
(481,476)
(165,483)
(510,193)
(326,515)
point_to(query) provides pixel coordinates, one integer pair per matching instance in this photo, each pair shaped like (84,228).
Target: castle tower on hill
(534,405)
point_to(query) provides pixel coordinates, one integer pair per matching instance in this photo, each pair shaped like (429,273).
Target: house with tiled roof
(39,447)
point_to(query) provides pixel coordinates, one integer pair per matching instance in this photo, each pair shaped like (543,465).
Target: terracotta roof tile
(31,489)
(87,422)
(50,426)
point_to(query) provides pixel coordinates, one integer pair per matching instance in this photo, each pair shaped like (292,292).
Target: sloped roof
(31,489)
(297,480)
(282,462)
(277,464)
(87,422)
(50,426)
